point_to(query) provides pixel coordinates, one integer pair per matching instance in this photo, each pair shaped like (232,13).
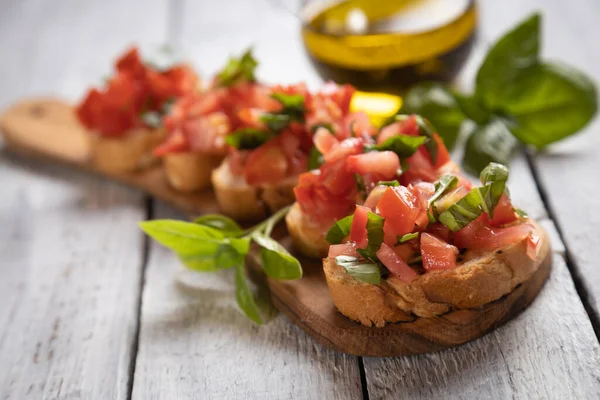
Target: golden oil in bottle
(387,45)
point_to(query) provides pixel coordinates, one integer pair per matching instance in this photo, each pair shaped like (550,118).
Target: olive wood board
(48,129)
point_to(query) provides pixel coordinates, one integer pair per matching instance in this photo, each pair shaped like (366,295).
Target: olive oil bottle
(387,45)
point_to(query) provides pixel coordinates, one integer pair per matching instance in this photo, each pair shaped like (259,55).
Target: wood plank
(193,341)
(568,169)
(71,252)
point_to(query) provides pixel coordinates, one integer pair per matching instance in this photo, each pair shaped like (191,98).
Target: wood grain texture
(70,253)
(195,344)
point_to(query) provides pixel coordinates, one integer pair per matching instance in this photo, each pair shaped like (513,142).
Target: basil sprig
(216,242)
(478,200)
(518,99)
(238,70)
(441,186)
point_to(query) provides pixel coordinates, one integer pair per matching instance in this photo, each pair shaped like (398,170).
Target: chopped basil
(293,110)
(275,122)
(339,230)
(443,185)
(521,213)
(238,69)
(478,200)
(247,138)
(374,236)
(315,158)
(362,270)
(407,237)
(425,129)
(389,183)
(403,145)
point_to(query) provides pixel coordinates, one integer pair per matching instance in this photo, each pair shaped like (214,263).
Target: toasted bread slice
(188,172)
(480,278)
(308,235)
(241,201)
(128,153)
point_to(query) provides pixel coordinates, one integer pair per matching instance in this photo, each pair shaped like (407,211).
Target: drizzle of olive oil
(387,45)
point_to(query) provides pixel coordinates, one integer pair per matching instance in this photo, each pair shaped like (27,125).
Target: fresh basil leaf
(517,51)
(489,143)
(275,122)
(293,105)
(408,236)
(361,270)
(388,183)
(472,108)
(183,237)
(436,103)
(403,145)
(247,138)
(478,200)
(315,159)
(443,185)
(199,262)
(244,297)
(554,101)
(374,236)
(238,69)
(329,127)
(225,224)
(152,119)
(425,129)
(339,230)
(276,260)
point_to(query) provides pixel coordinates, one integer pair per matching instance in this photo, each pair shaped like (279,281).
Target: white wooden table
(89,308)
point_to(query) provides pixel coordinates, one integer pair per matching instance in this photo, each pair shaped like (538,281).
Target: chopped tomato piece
(440,231)
(346,148)
(479,235)
(504,212)
(399,208)
(358,230)
(437,254)
(324,140)
(406,251)
(442,156)
(397,266)
(344,249)
(419,169)
(423,192)
(384,163)
(266,164)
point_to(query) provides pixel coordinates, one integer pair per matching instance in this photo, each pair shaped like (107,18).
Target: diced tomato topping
(397,266)
(440,231)
(357,124)
(358,230)
(423,192)
(266,164)
(437,254)
(479,235)
(442,156)
(382,163)
(419,169)
(346,148)
(134,89)
(324,140)
(399,208)
(407,250)
(344,249)
(504,212)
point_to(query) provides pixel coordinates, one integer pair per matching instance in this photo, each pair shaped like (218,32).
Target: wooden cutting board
(48,129)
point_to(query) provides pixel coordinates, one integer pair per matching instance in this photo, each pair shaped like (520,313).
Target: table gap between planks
(90,311)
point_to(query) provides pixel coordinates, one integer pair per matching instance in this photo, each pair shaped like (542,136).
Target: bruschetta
(425,249)
(274,145)
(124,117)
